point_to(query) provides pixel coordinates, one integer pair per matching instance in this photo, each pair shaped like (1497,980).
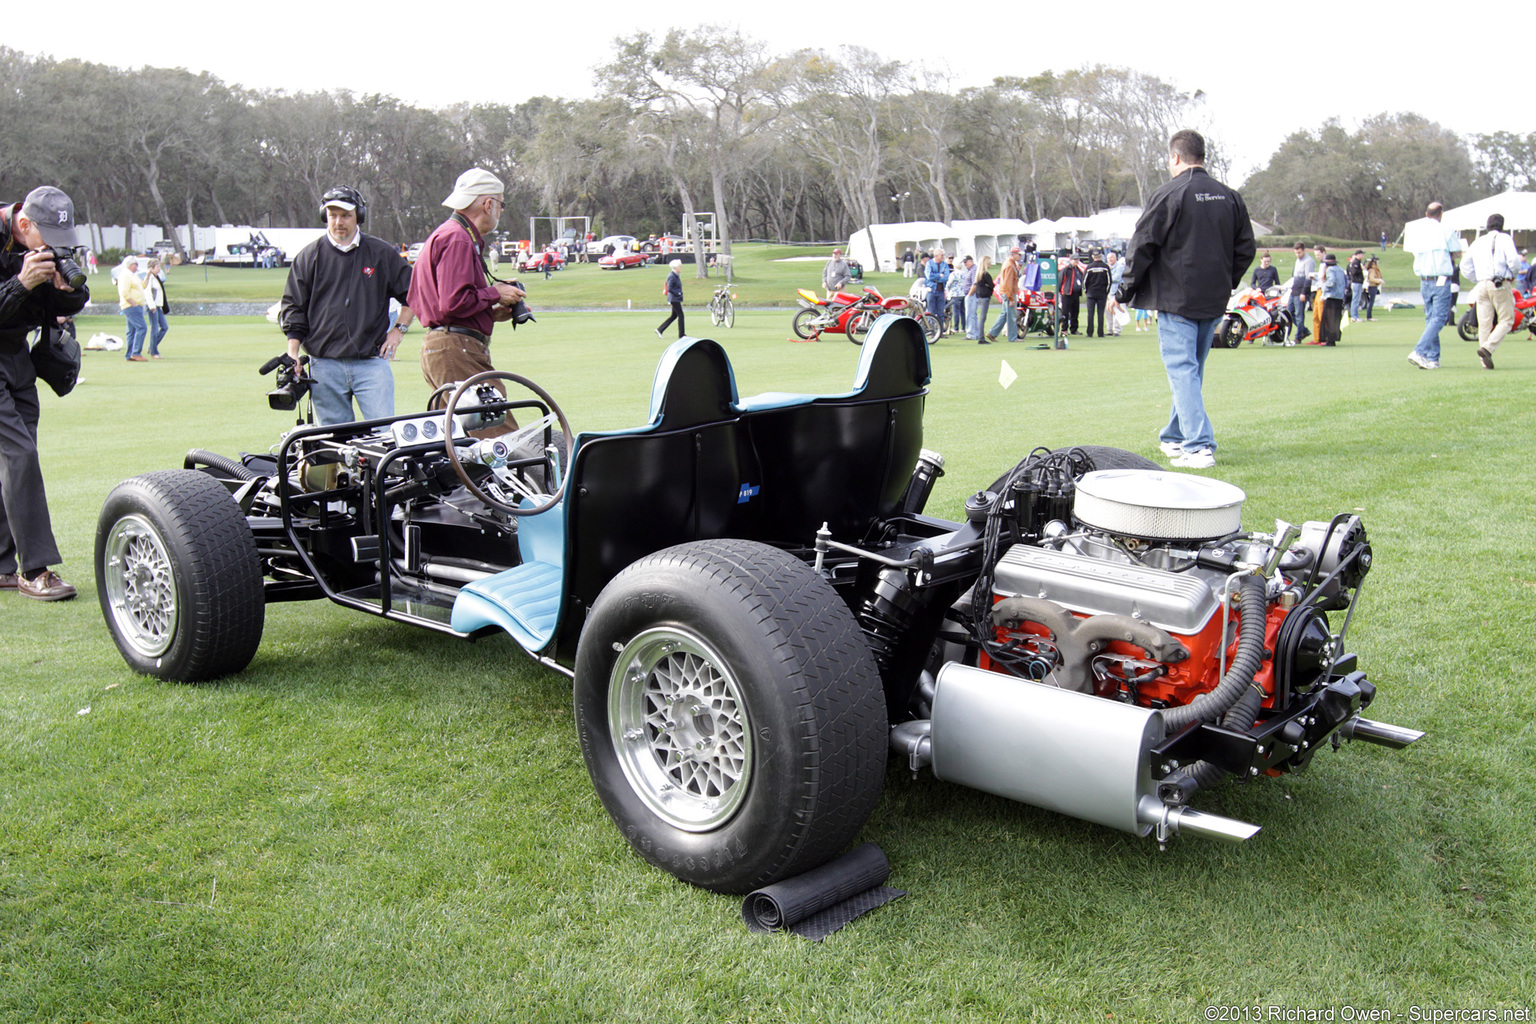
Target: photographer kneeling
(32,294)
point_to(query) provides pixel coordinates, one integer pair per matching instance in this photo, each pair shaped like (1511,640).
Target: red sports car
(623,261)
(537,261)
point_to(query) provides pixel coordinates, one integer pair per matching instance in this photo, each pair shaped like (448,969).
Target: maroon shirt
(448,287)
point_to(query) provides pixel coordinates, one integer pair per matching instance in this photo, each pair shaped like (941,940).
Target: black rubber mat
(819,902)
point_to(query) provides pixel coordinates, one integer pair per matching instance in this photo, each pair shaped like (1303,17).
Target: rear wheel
(714,313)
(729,314)
(803,321)
(178,576)
(1467,327)
(729,712)
(932,329)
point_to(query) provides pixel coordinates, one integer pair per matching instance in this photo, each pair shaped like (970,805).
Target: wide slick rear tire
(731,717)
(179,577)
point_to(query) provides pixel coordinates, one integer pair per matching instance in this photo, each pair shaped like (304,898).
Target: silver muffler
(1064,751)
(1383,733)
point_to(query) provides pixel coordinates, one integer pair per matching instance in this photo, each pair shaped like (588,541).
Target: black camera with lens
(521,314)
(64,263)
(292,383)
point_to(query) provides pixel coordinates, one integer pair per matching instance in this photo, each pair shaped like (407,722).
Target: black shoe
(1486,357)
(983,341)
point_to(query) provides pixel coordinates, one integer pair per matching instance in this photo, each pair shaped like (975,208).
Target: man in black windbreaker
(1192,246)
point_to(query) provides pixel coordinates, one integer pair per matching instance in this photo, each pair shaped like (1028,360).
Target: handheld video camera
(293,381)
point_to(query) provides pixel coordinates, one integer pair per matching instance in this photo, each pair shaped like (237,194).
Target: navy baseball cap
(54,215)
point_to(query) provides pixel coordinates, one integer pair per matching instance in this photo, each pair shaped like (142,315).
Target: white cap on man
(473,184)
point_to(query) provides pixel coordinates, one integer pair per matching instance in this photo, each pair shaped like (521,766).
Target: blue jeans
(338,381)
(1007,315)
(1437,306)
(976,316)
(1355,288)
(957,312)
(936,301)
(133,344)
(157,329)
(1184,344)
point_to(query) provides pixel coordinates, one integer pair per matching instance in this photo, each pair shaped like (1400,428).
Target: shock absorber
(887,614)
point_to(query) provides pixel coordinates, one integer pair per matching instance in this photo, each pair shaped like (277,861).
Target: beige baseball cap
(473,184)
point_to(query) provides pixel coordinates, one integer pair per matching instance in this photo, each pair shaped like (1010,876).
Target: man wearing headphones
(336,307)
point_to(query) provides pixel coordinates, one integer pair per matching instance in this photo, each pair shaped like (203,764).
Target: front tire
(731,717)
(858,327)
(1231,333)
(178,576)
(932,329)
(729,316)
(1467,326)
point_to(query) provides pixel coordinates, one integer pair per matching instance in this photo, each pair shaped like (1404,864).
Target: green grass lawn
(763,276)
(374,823)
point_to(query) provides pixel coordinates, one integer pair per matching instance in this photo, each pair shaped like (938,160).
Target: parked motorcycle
(1036,312)
(1254,315)
(853,315)
(1525,316)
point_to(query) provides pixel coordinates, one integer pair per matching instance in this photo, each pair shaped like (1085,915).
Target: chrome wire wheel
(680,728)
(141,586)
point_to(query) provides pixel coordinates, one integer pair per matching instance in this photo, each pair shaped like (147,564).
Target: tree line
(790,147)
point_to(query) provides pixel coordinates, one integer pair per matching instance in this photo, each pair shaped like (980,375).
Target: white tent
(991,237)
(1518,208)
(879,246)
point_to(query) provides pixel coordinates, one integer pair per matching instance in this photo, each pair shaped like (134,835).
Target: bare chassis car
(756,612)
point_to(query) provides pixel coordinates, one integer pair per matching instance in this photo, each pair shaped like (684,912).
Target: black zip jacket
(337,303)
(20,309)
(1192,246)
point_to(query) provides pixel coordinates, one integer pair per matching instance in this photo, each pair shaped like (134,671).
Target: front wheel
(804,320)
(932,329)
(730,715)
(728,313)
(1467,327)
(179,577)
(858,327)
(1231,333)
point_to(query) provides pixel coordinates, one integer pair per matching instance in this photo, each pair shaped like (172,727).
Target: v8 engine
(1130,644)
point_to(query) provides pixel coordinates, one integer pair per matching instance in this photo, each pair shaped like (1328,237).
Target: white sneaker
(1205,458)
(1422,363)
(1171,449)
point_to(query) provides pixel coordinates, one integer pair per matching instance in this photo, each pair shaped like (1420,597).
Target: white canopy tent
(991,237)
(879,246)
(1518,208)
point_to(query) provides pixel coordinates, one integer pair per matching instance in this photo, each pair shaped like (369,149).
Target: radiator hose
(229,467)
(1235,701)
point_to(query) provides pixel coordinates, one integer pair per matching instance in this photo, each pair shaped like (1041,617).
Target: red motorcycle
(1525,316)
(1036,312)
(853,315)
(1255,315)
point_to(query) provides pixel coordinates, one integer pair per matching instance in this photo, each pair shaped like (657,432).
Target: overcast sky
(1349,65)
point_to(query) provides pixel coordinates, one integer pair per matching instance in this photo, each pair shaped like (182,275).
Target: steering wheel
(567,453)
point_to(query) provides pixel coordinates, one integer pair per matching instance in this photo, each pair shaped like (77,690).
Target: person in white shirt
(1493,261)
(1432,244)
